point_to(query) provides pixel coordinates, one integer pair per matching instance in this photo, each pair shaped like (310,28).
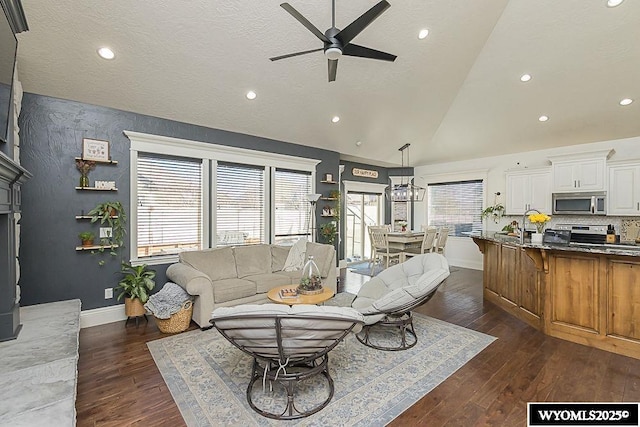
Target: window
(169,205)
(456,205)
(292,218)
(240,213)
(188,195)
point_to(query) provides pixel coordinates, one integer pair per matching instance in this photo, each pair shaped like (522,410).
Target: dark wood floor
(120,385)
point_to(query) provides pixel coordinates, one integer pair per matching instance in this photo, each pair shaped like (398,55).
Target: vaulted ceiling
(456,94)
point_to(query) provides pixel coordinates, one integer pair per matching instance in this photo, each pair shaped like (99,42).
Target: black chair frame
(268,360)
(401,318)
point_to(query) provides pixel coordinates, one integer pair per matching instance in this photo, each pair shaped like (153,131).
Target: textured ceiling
(454,95)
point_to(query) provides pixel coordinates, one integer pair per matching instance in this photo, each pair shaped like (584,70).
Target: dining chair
(441,240)
(427,244)
(380,247)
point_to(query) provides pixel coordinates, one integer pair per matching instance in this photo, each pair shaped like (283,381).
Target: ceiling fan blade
(333,68)
(365,52)
(356,27)
(289,55)
(304,21)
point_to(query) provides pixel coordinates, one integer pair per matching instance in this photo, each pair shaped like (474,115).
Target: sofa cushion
(264,282)
(230,289)
(252,259)
(294,276)
(322,256)
(278,257)
(296,257)
(216,263)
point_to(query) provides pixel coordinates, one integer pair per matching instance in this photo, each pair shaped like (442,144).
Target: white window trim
(203,150)
(210,155)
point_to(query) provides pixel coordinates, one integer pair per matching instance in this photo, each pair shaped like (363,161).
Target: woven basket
(178,322)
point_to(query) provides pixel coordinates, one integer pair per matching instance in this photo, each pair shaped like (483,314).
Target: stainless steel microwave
(580,203)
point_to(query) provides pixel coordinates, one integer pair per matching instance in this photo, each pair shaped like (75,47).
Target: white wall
(462,251)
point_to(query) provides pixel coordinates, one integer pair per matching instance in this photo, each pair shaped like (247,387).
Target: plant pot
(88,242)
(536,238)
(84,180)
(133,307)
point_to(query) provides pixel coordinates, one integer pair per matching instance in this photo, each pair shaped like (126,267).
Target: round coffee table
(274,295)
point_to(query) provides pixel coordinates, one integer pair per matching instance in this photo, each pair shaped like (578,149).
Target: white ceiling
(454,95)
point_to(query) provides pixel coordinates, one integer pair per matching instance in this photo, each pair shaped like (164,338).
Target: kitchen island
(586,294)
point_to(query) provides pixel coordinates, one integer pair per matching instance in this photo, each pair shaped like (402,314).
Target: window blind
(240,214)
(169,206)
(292,217)
(456,205)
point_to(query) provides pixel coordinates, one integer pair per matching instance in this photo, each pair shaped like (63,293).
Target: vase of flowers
(539,220)
(84,166)
(403,225)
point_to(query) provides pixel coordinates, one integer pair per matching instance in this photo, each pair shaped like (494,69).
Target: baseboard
(102,315)
(465,264)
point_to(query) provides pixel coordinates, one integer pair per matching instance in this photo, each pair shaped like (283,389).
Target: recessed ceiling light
(423,34)
(614,3)
(335,119)
(525,77)
(543,118)
(251,95)
(626,101)
(106,53)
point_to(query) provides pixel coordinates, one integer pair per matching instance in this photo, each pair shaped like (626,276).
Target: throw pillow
(296,258)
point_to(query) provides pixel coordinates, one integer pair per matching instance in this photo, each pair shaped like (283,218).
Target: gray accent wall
(51,137)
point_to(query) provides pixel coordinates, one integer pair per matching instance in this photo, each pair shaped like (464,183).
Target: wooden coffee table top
(274,295)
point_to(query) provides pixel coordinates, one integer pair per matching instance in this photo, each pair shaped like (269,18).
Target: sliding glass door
(362,210)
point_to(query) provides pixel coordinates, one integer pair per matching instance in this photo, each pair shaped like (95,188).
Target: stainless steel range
(586,234)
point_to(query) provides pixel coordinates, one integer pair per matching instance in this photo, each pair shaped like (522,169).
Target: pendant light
(405,191)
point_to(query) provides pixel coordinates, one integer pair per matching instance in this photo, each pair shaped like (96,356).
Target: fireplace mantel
(12,176)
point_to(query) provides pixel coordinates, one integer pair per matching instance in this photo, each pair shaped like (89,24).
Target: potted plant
(134,286)
(87,238)
(328,232)
(494,212)
(110,214)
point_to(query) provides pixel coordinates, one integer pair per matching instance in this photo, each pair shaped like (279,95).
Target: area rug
(365,269)
(208,377)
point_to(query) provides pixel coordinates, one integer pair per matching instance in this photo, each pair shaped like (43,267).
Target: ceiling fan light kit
(338,42)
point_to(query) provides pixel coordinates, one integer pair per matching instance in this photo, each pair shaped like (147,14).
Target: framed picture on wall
(95,149)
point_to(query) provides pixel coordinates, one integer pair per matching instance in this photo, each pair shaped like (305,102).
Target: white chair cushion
(401,284)
(298,334)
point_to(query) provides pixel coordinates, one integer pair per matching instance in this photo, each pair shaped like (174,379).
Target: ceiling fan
(338,42)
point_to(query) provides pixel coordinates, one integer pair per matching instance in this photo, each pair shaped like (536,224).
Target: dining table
(405,239)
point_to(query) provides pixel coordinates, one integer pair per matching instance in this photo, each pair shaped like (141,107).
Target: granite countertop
(618,249)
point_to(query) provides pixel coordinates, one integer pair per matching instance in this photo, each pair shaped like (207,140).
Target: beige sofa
(231,276)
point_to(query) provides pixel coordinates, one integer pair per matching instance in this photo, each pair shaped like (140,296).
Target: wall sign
(364,173)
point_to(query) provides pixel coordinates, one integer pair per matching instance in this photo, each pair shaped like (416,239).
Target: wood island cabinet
(588,298)
(511,281)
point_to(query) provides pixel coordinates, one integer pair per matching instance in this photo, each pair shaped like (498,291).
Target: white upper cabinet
(580,172)
(623,197)
(528,189)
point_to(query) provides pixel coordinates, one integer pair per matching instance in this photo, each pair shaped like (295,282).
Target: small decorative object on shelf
(95,149)
(84,166)
(328,177)
(310,282)
(87,238)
